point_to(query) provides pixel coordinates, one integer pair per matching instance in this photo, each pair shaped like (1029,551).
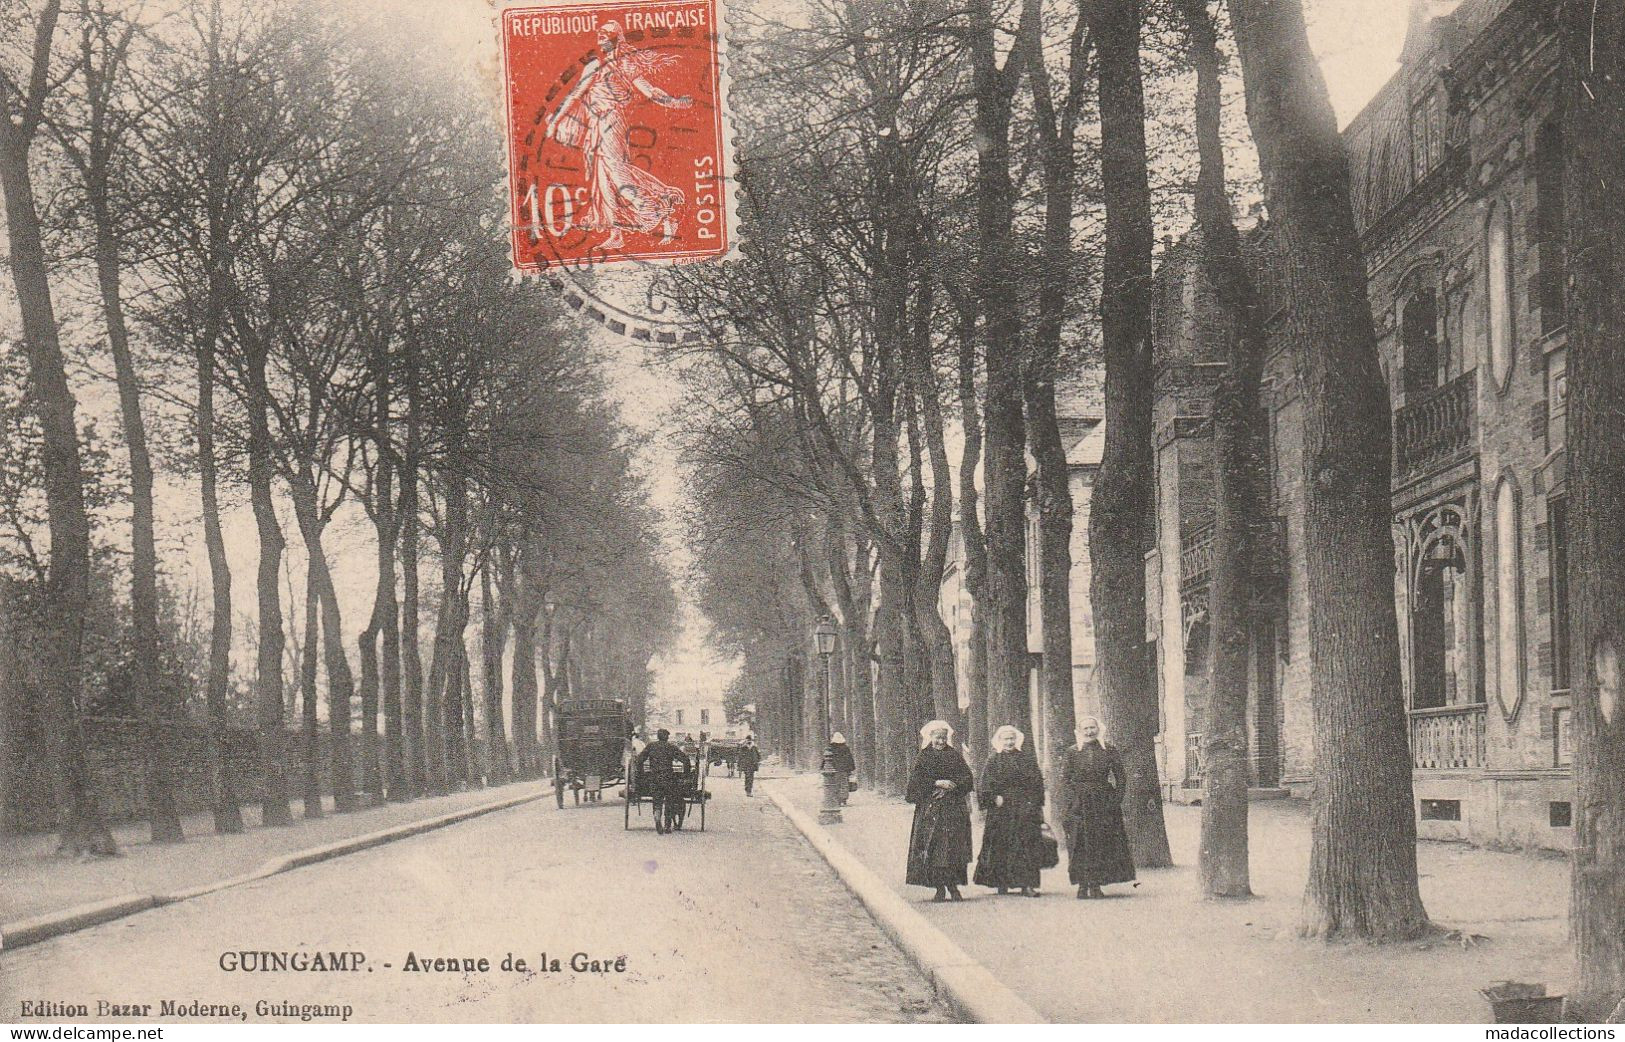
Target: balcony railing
(1196,553)
(1436,430)
(1196,558)
(1448,737)
(1193,761)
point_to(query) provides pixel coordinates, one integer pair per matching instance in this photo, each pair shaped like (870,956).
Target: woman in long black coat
(1012,797)
(939,845)
(1094,786)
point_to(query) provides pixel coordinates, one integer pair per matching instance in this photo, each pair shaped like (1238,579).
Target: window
(1441,810)
(1419,337)
(1562,738)
(705,717)
(1498,266)
(1550,220)
(1557,527)
(1560,813)
(1508,598)
(1427,133)
(679,718)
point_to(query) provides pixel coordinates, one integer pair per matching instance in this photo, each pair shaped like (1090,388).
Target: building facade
(693,714)
(1083,436)
(1457,168)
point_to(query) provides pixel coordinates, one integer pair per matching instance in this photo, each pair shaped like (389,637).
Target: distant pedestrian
(750,759)
(1012,797)
(657,764)
(939,845)
(840,756)
(1094,786)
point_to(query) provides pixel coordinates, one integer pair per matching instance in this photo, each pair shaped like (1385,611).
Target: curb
(80,917)
(967,986)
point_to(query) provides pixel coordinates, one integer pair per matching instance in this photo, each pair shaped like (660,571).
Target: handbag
(1050,855)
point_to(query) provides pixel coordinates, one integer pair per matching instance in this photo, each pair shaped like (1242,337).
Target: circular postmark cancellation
(618,157)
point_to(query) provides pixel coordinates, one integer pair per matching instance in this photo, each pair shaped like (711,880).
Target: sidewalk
(1160,953)
(36,882)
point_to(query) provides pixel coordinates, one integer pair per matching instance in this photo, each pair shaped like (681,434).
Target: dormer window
(1427,133)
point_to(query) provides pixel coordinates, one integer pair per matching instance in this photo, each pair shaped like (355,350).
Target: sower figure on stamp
(592,117)
(1093,786)
(1012,797)
(939,844)
(657,764)
(750,760)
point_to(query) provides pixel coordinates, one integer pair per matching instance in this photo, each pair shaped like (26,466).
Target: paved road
(739,923)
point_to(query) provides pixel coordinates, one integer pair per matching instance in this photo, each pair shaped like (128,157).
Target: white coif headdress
(933,727)
(998,736)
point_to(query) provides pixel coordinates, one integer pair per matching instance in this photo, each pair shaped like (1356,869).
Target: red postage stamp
(617,133)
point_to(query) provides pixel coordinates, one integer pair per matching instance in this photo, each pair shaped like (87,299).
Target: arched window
(1418,333)
(1498,264)
(1508,597)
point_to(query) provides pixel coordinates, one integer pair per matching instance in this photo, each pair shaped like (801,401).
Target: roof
(1378,138)
(1087,450)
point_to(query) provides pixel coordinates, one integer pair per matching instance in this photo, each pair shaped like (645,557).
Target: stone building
(1457,183)
(1083,436)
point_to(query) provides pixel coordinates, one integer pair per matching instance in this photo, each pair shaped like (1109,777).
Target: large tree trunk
(268,683)
(228,814)
(412,709)
(1054,570)
(444,694)
(973,546)
(1362,874)
(526,711)
(68,583)
(378,778)
(340,681)
(1238,443)
(310,706)
(1005,468)
(472,777)
(1593,41)
(1057,135)
(367,689)
(375,677)
(1120,505)
(493,635)
(934,632)
(156,708)
(854,647)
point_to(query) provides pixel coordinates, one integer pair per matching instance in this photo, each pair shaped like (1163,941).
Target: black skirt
(939,847)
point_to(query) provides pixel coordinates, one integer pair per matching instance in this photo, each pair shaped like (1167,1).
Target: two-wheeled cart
(689,792)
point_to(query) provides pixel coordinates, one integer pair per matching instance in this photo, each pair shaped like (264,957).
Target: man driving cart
(658,763)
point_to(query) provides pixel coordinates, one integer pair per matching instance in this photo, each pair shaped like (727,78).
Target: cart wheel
(558,785)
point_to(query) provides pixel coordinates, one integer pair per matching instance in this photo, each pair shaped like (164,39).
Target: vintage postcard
(810,512)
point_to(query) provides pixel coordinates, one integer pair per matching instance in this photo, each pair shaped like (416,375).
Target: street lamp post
(830,812)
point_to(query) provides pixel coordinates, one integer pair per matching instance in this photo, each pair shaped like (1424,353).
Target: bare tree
(94,133)
(22,104)
(1239,434)
(1362,875)
(1120,505)
(1593,141)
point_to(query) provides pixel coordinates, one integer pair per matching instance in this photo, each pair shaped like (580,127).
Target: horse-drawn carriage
(591,751)
(688,791)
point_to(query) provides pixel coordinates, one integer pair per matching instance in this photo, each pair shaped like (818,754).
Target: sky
(1357,41)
